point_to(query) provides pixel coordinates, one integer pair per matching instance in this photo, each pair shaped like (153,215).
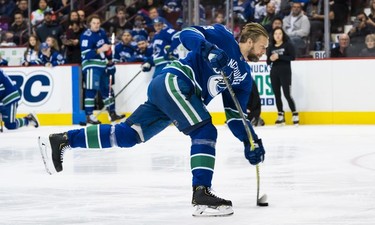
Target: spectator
(50,28)
(125,50)
(371,17)
(37,16)
(280,53)
(72,17)
(153,13)
(344,49)
(244,9)
(139,28)
(7,7)
(358,32)
(297,26)
(266,20)
(315,13)
(219,18)
(10,95)
(22,6)
(369,50)
(7,39)
(172,12)
(340,11)
(31,55)
(260,9)
(18,28)
(73,49)
(49,53)
(82,17)
(277,22)
(119,23)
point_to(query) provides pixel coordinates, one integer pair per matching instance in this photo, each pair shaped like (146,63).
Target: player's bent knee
(207,131)
(126,137)
(11,126)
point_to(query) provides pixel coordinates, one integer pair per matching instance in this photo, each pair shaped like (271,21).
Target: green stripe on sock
(92,135)
(202,161)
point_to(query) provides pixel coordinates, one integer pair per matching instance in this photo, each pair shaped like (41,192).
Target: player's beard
(252,57)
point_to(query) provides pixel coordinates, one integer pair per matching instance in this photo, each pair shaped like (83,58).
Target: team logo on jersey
(215,85)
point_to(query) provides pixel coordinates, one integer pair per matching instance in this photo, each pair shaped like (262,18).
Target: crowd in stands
(302,20)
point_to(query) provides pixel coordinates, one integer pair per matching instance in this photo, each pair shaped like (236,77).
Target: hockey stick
(262,201)
(114,97)
(1,123)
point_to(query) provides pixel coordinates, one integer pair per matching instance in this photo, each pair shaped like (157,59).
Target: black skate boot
(91,119)
(33,120)
(52,151)
(208,204)
(280,119)
(113,116)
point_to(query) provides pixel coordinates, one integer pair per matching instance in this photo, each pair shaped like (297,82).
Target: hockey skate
(52,150)
(91,119)
(33,119)
(207,204)
(113,116)
(280,119)
(295,118)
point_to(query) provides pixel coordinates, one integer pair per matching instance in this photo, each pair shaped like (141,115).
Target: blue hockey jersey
(90,41)
(56,58)
(9,93)
(209,83)
(125,53)
(166,37)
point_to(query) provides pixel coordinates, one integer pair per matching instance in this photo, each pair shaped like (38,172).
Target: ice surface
(312,175)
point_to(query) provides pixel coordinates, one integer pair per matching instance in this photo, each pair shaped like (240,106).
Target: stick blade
(262,201)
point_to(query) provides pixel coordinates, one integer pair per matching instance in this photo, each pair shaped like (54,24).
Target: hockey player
(125,51)
(9,97)
(179,95)
(96,53)
(164,42)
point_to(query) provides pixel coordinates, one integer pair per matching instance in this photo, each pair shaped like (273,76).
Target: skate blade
(208,211)
(46,152)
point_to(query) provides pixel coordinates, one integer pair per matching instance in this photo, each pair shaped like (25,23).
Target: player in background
(125,51)
(9,97)
(164,43)
(96,53)
(144,49)
(179,95)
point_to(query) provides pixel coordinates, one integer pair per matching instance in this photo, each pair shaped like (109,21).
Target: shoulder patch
(87,32)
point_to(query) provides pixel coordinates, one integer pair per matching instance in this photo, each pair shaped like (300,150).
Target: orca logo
(35,87)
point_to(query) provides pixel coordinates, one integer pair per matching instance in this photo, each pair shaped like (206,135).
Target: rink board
(325,92)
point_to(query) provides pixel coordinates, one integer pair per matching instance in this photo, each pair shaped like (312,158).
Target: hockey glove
(148,64)
(168,54)
(257,155)
(111,69)
(216,56)
(146,67)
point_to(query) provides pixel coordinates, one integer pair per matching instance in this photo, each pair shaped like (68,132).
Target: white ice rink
(312,175)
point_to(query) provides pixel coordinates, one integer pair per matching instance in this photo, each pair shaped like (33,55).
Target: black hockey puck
(262,204)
